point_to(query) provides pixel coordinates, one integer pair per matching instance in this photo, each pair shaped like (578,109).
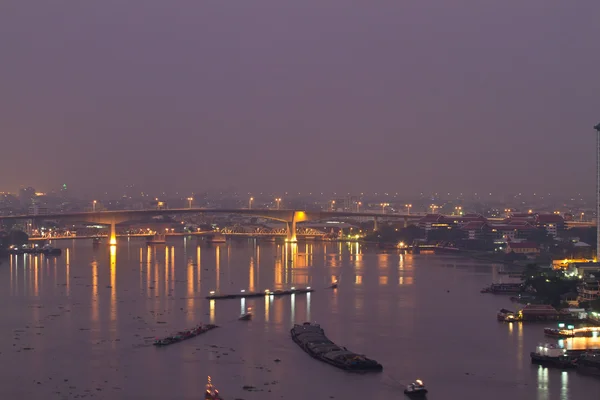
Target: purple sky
(311,95)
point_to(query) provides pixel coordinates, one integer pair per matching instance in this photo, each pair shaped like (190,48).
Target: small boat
(416,389)
(506,315)
(549,355)
(247,316)
(211,392)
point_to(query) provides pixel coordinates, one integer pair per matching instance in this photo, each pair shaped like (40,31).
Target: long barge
(243,293)
(46,250)
(503,288)
(184,335)
(311,338)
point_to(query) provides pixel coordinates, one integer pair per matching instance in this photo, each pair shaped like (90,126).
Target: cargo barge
(243,293)
(184,335)
(311,338)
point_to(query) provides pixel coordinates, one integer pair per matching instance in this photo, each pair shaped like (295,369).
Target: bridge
(289,216)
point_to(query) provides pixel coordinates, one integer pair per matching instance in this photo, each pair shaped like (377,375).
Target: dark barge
(243,293)
(46,250)
(184,335)
(311,338)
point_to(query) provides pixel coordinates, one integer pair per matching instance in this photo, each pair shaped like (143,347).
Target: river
(81,325)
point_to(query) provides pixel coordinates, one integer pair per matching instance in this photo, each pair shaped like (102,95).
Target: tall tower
(597,128)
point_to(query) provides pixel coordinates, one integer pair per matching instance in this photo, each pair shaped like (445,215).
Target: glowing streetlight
(190,199)
(458,210)
(332,205)
(94,205)
(408,207)
(358,206)
(383,206)
(250,200)
(278,201)
(581,217)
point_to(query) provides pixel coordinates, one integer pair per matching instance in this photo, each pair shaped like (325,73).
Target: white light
(308,287)
(242,290)
(293,288)
(212,292)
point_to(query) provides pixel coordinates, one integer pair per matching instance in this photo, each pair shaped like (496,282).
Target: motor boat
(416,389)
(247,316)
(211,392)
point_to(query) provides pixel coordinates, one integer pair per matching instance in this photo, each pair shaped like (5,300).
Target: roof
(523,245)
(431,218)
(522,215)
(474,225)
(539,309)
(513,227)
(549,219)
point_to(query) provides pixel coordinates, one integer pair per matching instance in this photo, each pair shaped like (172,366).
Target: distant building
(512,230)
(26,195)
(36,209)
(584,268)
(553,223)
(589,290)
(476,229)
(432,221)
(522,247)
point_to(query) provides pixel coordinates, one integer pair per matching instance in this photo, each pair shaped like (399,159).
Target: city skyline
(301,97)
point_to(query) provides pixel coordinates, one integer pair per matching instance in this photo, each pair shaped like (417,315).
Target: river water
(81,325)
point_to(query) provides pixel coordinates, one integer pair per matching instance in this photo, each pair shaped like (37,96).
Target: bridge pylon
(113,234)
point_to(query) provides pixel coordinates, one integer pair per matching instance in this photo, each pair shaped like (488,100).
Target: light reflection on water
(388,306)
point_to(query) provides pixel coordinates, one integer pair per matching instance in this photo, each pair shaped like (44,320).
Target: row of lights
(267,291)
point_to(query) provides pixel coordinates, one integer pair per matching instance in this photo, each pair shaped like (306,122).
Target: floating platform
(311,338)
(243,293)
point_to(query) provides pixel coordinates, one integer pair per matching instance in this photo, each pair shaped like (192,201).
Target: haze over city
(257,199)
(449,96)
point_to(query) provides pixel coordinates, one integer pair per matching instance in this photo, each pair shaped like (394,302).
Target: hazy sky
(402,95)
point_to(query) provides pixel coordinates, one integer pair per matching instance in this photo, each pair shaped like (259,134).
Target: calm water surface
(81,325)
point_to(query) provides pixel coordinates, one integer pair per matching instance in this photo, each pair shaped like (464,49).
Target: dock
(218,296)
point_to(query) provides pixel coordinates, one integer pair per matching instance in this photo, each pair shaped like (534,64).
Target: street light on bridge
(94,205)
(383,206)
(190,199)
(278,201)
(458,210)
(358,206)
(408,207)
(332,205)
(250,203)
